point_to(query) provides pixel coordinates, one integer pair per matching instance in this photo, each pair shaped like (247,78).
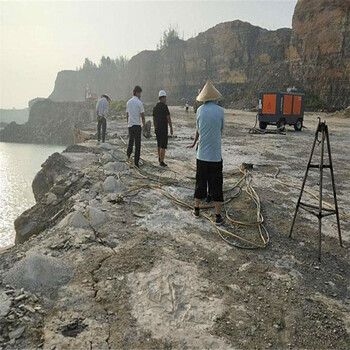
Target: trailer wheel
(262,125)
(281,125)
(298,125)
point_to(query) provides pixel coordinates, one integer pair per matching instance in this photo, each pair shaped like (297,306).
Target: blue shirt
(102,107)
(210,124)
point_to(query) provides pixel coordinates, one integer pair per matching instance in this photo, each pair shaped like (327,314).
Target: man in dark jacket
(161,119)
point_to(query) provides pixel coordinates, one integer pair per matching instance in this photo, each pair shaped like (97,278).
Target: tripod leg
(320,198)
(333,186)
(303,185)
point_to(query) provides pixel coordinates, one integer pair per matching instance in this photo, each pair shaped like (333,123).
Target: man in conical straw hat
(210,124)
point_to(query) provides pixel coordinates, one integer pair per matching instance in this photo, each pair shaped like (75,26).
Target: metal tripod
(319,211)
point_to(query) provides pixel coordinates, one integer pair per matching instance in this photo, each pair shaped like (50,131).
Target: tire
(262,125)
(281,125)
(298,125)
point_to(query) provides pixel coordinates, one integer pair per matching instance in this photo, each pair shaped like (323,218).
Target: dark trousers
(101,123)
(209,175)
(134,135)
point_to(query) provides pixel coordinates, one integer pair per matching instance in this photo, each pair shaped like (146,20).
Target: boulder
(50,198)
(347,111)
(39,273)
(106,158)
(111,185)
(61,189)
(54,166)
(17,333)
(75,219)
(5,304)
(96,217)
(106,146)
(115,167)
(118,155)
(25,228)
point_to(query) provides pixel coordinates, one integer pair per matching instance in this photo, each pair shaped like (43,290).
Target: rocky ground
(118,265)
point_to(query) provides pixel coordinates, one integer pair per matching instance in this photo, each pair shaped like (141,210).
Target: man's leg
(163,145)
(201,185)
(99,129)
(162,154)
(215,187)
(137,145)
(104,127)
(159,154)
(218,206)
(131,141)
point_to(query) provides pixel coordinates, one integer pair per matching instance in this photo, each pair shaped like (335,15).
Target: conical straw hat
(208,93)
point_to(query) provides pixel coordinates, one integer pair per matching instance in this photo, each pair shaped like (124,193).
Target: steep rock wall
(232,54)
(50,123)
(320,50)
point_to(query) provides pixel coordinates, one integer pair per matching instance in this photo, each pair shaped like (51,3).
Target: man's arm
(154,120)
(143,122)
(170,124)
(195,140)
(105,108)
(154,123)
(127,117)
(223,122)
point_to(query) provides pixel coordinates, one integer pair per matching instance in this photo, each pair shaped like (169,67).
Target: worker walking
(210,125)
(135,113)
(161,120)
(102,108)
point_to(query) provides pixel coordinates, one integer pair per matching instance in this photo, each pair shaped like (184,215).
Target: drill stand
(319,211)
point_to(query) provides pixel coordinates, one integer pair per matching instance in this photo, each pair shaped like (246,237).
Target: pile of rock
(343,113)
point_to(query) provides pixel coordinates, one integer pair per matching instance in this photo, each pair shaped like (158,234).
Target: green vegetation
(313,103)
(117,107)
(169,37)
(118,63)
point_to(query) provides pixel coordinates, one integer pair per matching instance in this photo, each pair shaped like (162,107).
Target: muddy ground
(153,277)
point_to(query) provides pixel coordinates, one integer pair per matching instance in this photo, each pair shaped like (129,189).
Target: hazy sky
(40,38)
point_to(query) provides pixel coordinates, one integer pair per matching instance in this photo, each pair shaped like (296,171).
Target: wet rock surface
(142,273)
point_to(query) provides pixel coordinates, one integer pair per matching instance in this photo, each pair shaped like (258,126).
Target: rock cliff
(241,59)
(320,50)
(50,123)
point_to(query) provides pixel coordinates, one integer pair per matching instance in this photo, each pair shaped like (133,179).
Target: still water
(19,164)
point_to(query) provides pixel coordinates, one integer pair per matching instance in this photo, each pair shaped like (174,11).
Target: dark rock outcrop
(50,123)
(55,165)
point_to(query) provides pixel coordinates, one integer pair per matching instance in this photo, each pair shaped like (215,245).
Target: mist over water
(19,164)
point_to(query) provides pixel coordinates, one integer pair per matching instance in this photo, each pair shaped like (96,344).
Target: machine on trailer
(281,108)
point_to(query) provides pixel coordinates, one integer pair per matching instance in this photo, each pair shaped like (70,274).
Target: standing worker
(161,119)
(134,114)
(102,108)
(210,125)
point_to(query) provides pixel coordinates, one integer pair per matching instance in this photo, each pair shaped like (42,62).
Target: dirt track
(154,277)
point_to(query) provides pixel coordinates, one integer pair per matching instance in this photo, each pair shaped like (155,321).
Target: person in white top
(102,108)
(135,113)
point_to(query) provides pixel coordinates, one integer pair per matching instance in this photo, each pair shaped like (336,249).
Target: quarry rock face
(320,50)
(233,54)
(241,59)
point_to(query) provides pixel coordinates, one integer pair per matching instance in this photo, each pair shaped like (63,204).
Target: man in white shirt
(102,108)
(135,113)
